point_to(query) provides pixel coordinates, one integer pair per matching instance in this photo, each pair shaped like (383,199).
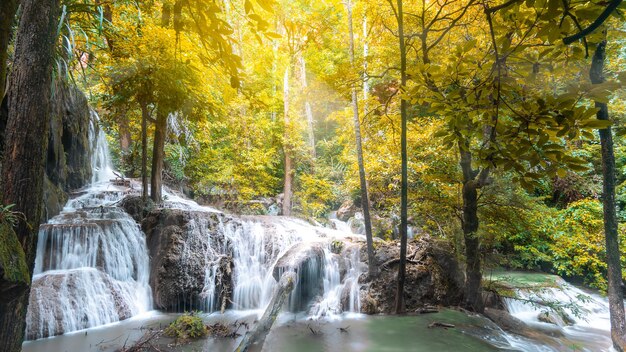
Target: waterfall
(100,159)
(244,257)
(92,265)
(581,318)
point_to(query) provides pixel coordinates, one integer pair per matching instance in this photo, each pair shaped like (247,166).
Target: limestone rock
(181,245)
(346,211)
(48,309)
(433,277)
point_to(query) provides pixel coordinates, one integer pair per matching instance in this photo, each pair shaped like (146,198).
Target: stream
(91,288)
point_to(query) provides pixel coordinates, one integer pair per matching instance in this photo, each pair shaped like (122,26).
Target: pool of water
(354,332)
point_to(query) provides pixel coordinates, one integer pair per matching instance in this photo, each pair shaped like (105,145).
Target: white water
(92,265)
(589,325)
(257,243)
(100,157)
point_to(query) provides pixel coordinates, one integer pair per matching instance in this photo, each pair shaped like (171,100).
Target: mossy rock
(187,326)
(13,265)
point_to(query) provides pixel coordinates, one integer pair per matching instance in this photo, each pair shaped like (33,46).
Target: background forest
(241,85)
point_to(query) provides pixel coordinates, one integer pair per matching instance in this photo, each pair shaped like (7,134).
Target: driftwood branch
(257,335)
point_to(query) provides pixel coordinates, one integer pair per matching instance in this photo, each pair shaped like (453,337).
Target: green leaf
(596,124)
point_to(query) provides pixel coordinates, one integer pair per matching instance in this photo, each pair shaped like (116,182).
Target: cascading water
(258,245)
(576,318)
(100,159)
(92,265)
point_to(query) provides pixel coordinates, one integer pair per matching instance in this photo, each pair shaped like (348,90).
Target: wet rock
(346,211)
(48,308)
(136,207)
(551,318)
(508,322)
(433,277)
(182,244)
(492,300)
(53,199)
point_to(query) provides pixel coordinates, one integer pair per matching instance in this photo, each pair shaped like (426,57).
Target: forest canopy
(472,121)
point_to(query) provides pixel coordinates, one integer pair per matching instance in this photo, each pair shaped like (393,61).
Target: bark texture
(145,114)
(287,187)
(158,154)
(404,183)
(365,199)
(260,331)
(472,181)
(614,293)
(24,153)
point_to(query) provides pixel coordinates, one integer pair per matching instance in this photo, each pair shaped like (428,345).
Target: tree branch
(593,26)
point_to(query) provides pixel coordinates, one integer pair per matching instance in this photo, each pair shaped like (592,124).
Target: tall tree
(615,293)
(365,199)
(7,17)
(404,183)
(24,155)
(287,148)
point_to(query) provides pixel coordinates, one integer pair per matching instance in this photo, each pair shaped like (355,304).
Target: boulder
(433,277)
(136,207)
(509,323)
(182,244)
(88,293)
(346,211)
(551,318)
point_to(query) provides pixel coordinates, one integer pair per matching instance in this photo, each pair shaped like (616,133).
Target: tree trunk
(287,149)
(473,275)
(158,154)
(7,17)
(614,293)
(24,153)
(365,199)
(260,331)
(404,183)
(308,112)
(144,150)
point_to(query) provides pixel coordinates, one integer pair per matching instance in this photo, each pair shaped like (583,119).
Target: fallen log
(257,335)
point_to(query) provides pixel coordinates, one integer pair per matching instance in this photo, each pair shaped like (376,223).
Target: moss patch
(12,257)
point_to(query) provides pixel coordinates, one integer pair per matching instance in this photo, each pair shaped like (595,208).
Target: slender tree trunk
(365,200)
(366,49)
(158,154)
(8,8)
(615,294)
(144,150)
(287,148)
(24,155)
(404,183)
(307,107)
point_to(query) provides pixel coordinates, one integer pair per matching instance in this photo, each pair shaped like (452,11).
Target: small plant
(7,216)
(187,326)
(336,246)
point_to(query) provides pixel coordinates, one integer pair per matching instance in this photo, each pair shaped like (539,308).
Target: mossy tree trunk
(25,151)
(614,292)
